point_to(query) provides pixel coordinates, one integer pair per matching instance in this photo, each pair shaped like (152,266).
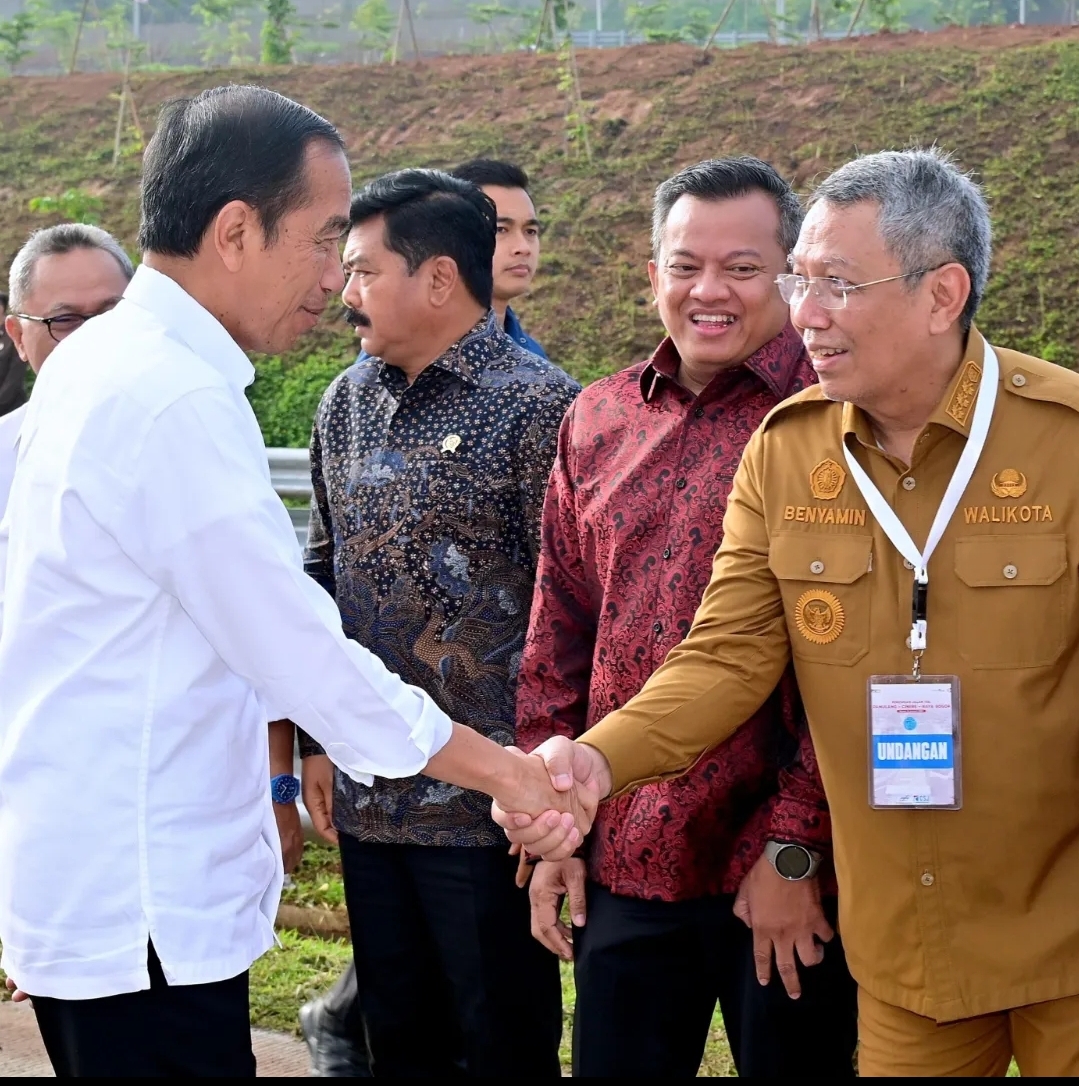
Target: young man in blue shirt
(517,245)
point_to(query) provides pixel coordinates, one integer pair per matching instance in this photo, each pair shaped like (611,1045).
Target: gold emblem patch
(818,616)
(826,480)
(1009,483)
(963,397)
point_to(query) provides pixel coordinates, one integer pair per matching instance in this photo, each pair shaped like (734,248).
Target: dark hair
(723,179)
(228,143)
(491,171)
(430,213)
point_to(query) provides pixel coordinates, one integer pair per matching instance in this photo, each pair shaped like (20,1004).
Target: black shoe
(334,1054)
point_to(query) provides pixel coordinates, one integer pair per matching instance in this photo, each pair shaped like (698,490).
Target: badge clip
(919,626)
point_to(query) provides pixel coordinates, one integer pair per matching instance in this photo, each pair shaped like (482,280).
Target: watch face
(284,789)
(793,862)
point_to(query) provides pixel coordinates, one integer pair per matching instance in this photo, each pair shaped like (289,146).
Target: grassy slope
(1006,102)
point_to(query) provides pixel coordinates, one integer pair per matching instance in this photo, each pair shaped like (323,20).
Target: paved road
(22,1054)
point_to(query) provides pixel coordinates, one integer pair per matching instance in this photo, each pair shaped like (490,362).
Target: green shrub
(284,397)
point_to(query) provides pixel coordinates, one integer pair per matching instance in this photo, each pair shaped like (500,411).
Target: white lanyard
(893,527)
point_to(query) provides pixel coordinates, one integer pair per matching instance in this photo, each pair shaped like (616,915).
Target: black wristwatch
(792,862)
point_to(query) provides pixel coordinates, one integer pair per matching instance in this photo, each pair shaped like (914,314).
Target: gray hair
(724,179)
(55,241)
(931,212)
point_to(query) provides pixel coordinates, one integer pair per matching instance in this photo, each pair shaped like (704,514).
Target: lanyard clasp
(919,626)
(919,607)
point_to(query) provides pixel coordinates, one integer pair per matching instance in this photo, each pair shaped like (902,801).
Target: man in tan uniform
(961,925)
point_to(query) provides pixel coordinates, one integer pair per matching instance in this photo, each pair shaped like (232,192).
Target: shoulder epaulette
(1035,379)
(811,395)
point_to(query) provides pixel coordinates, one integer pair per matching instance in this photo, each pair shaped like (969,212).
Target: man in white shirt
(59,279)
(154,616)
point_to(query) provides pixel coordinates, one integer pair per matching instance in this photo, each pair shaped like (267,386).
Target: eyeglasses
(828,291)
(62,326)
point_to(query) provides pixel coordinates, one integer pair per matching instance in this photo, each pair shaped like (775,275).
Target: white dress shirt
(154,615)
(10,424)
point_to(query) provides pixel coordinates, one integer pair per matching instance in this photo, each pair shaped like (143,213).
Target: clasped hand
(553,804)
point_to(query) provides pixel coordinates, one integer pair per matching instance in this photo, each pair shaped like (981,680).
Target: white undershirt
(154,614)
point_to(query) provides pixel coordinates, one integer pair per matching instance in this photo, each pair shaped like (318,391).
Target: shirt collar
(512,324)
(956,407)
(189,322)
(466,359)
(775,364)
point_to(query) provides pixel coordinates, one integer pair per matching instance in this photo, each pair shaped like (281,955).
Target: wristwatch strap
(773,851)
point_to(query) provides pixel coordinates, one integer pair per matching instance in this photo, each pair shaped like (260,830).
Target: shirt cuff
(798,823)
(632,762)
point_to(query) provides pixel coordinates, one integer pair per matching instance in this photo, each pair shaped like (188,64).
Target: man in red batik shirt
(704,887)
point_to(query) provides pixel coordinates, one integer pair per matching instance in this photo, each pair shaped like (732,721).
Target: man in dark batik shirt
(429,462)
(633,519)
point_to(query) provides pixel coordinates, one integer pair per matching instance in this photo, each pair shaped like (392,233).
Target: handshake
(548,804)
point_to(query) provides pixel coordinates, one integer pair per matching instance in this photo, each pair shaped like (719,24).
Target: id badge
(914,742)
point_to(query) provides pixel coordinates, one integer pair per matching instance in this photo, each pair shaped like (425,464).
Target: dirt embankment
(1005,100)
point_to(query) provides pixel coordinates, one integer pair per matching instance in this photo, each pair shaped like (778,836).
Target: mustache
(357,318)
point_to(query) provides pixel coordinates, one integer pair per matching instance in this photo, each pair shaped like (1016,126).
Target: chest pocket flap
(825,594)
(798,556)
(1002,560)
(1014,601)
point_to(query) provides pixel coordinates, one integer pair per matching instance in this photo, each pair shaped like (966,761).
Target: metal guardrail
(616,39)
(290,473)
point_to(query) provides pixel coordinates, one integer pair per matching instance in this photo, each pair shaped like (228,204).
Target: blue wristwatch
(284,788)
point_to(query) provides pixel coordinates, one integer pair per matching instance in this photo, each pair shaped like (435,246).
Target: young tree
(277,32)
(374,23)
(122,48)
(54,26)
(226,29)
(15,35)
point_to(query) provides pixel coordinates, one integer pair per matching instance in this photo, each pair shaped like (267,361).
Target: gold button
(1011,572)
(1018,380)
(907,563)
(816,566)
(927,878)
(909,483)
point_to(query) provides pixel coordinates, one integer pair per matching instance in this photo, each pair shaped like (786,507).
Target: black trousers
(649,974)
(199,1030)
(450,979)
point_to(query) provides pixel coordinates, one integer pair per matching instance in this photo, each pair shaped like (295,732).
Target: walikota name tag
(914,742)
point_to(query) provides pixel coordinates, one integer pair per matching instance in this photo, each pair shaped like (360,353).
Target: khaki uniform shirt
(948,914)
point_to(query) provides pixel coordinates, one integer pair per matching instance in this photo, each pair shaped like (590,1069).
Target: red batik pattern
(632,519)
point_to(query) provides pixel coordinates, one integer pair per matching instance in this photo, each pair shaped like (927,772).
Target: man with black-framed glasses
(59,279)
